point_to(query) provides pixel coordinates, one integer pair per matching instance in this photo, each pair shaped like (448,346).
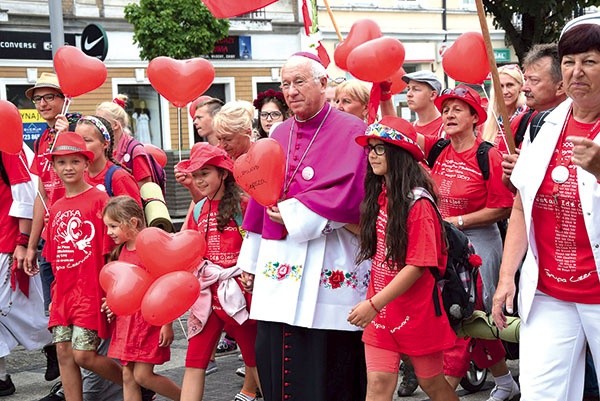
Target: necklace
(286,187)
(560,173)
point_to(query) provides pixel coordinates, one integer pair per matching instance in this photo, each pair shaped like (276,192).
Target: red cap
(69,143)
(395,131)
(204,154)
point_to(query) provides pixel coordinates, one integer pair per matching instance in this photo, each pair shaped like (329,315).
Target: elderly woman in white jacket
(556,221)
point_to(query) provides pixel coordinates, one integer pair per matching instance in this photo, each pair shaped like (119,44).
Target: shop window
(143,107)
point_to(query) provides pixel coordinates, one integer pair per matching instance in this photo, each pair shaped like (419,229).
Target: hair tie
(119,102)
(98,124)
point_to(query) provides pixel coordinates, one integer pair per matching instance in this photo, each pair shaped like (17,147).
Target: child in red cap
(401,232)
(77,245)
(222,304)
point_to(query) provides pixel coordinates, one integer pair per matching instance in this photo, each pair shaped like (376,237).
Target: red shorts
(200,347)
(383,360)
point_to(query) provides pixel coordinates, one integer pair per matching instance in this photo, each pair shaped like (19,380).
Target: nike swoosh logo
(88,46)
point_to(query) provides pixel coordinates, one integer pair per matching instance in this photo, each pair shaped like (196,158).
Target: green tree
(527,22)
(180,29)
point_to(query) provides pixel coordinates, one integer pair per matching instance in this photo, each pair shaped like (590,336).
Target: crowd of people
(328,292)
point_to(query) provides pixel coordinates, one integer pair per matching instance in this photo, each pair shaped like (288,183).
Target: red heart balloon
(162,253)
(159,155)
(11,140)
(260,172)
(169,297)
(466,60)
(361,31)
(77,72)
(376,60)
(180,81)
(127,285)
(233,8)
(398,84)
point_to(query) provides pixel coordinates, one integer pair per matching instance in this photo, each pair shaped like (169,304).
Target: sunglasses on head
(510,67)
(459,92)
(338,80)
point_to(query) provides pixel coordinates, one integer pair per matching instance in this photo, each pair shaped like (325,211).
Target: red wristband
(373,306)
(23,239)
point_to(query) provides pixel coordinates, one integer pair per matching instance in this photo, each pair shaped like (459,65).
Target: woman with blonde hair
(353,97)
(233,125)
(511,82)
(134,158)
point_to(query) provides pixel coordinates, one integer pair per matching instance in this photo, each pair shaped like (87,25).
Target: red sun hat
(395,131)
(204,154)
(467,95)
(69,143)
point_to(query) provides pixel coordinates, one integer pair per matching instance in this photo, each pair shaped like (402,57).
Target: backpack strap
(198,209)
(537,122)
(523,124)
(108,179)
(131,145)
(483,159)
(436,150)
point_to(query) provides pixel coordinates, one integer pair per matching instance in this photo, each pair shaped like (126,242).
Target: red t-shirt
(460,183)
(141,168)
(408,324)
(433,129)
(133,339)
(76,246)
(565,258)
(42,167)
(9,226)
(122,182)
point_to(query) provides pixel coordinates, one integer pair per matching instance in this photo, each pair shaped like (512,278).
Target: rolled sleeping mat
(480,325)
(155,208)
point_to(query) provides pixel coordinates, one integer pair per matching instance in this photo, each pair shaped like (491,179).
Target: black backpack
(458,285)
(482,155)
(534,123)
(158,172)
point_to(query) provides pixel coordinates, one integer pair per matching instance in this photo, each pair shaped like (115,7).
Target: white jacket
(527,177)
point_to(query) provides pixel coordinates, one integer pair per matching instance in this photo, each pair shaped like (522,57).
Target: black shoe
(55,393)
(147,394)
(52,371)
(6,386)
(409,382)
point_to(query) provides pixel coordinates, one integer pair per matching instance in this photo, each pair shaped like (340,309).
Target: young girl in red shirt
(99,139)
(137,344)
(76,246)
(218,217)
(401,233)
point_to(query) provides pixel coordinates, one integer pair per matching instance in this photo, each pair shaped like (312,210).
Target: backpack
(198,209)
(534,123)
(458,285)
(482,155)
(158,172)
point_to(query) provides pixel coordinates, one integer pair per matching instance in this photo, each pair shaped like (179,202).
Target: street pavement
(27,371)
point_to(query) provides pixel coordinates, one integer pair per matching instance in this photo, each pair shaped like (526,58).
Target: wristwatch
(461,222)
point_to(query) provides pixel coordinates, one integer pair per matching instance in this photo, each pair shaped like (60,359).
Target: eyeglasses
(298,84)
(460,92)
(273,115)
(337,80)
(379,149)
(47,98)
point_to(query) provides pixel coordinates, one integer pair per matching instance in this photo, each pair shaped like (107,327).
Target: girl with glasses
(271,109)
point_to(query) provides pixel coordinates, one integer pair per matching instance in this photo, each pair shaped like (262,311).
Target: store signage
(94,41)
(232,48)
(28,45)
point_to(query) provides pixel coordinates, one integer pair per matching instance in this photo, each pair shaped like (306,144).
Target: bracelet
(373,306)
(385,96)
(23,240)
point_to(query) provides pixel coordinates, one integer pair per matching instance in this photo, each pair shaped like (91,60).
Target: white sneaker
(211,368)
(512,392)
(241,371)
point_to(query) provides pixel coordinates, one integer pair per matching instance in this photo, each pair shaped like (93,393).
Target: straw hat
(46,80)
